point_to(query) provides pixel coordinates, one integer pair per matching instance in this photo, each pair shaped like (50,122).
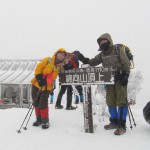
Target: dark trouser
(117,97)
(42,100)
(79,89)
(61,93)
(40,103)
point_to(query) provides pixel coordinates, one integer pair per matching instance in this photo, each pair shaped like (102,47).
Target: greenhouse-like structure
(15,85)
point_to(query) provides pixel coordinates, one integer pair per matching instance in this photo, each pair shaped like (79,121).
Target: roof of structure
(17,71)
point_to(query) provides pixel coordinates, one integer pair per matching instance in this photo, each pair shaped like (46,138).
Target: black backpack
(128,53)
(146,112)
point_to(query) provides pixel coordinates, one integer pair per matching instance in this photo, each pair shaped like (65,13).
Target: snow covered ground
(36,28)
(67,132)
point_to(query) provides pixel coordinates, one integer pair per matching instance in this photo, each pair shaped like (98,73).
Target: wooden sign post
(87,77)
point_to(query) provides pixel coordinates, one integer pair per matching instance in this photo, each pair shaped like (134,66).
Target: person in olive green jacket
(46,73)
(116,94)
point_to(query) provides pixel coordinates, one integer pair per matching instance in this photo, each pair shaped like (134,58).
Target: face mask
(104,46)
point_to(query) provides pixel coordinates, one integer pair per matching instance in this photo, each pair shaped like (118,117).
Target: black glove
(68,66)
(41,81)
(124,78)
(86,61)
(35,103)
(76,54)
(83,59)
(80,57)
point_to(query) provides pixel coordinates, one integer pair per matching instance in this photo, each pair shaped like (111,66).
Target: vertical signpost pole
(87,109)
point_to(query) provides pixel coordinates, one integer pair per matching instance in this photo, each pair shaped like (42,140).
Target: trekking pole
(131,113)
(130,120)
(37,95)
(19,131)
(25,128)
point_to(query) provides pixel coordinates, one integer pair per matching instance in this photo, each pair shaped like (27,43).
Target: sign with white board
(91,75)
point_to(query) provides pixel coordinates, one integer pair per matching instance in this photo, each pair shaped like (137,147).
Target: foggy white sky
(36,28)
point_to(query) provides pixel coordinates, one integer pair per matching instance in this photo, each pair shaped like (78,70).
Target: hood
(105,36)
(59,50)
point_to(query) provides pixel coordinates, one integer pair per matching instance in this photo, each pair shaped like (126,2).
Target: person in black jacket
(69,64)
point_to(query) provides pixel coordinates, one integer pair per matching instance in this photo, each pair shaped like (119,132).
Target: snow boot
(112,125)
(122,113)
(120,130)
(44,118)
(70,108)
(58,106)
(38,121)
(113,119)
(45,123)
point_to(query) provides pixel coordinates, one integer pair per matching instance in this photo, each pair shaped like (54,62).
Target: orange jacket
(46,67)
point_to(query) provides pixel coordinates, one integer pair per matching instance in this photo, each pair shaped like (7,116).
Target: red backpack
(71,60)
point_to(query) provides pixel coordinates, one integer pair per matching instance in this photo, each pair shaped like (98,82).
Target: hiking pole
(131,113)
(130,120)
(25,128)
(37,95)
(19,131)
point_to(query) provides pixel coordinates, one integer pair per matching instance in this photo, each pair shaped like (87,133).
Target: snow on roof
(17,71)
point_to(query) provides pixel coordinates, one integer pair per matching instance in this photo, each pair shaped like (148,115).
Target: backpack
(70,59)
(128,53)
(146,112)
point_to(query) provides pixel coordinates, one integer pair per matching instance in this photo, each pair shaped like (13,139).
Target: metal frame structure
(15,86)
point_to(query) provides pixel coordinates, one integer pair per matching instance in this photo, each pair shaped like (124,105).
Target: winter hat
(60,56)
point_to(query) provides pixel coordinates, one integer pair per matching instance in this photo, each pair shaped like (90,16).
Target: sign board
(87,77)
(90,75)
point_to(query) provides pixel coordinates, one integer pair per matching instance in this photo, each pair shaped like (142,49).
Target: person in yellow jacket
(46,73)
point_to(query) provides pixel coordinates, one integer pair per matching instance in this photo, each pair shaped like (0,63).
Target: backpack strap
(127,51)
(49,60)
(117,48)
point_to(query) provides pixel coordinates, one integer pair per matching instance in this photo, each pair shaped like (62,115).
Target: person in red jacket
(69,64)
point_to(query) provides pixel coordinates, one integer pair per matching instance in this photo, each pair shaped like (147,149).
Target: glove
(86,61)
(124,78)
(76,54)
(68,66)
(80,57)
(35,103)
(41,81)
(83,59)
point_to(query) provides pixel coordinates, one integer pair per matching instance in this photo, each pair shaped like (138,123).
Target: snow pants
(41,103)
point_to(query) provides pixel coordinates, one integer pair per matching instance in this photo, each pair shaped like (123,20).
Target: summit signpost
(87,77)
